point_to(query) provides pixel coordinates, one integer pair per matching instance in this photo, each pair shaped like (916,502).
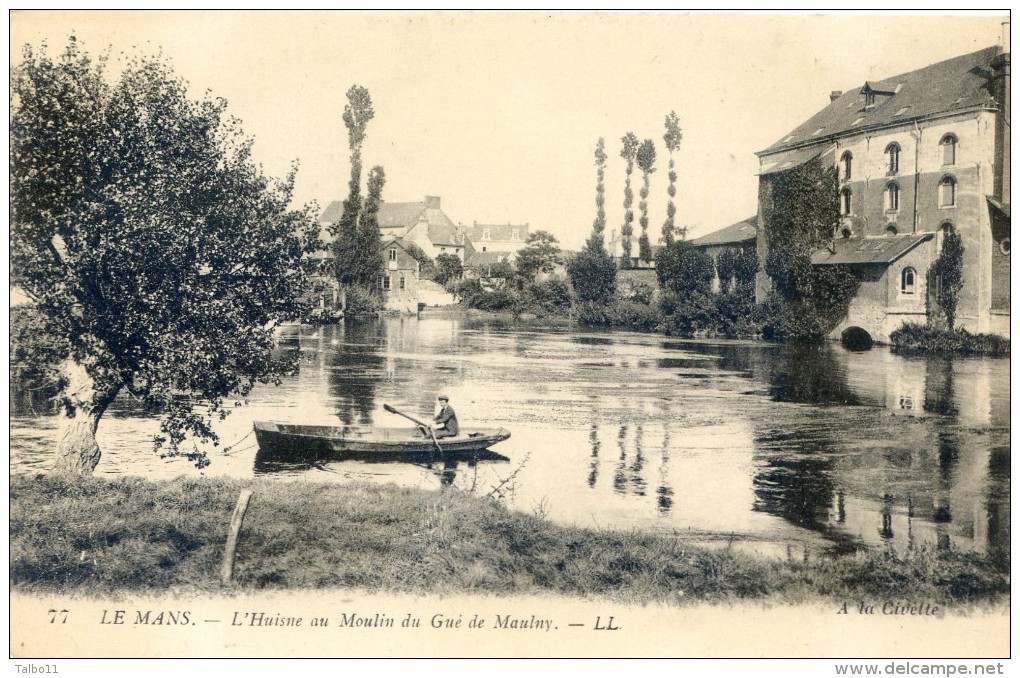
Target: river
(776,449)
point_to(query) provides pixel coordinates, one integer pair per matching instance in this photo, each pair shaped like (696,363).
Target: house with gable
(918,155)
(424,223)
(400,280)
(507,237)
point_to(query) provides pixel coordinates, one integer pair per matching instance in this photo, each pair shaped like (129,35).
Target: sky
(499,113)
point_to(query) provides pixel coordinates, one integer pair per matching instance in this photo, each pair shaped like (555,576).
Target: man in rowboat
(446,421)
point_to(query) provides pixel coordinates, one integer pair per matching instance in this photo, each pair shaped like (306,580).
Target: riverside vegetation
(92,536)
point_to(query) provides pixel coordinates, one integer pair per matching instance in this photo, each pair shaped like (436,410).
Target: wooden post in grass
(227,571)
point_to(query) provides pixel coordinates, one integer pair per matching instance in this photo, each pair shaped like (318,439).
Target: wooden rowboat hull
(302,442)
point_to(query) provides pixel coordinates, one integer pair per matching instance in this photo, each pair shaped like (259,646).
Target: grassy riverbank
(128,535)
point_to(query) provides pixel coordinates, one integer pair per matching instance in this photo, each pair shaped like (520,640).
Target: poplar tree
(592,271)
(646,163)
(628,152)
(599,225)
(354,263)
(672,138)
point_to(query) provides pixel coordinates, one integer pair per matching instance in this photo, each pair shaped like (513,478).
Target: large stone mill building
(918,154)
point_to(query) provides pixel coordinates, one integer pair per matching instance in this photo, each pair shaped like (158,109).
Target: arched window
(891,229)
(948,145)
(846,165)
(907,280)
(892,158)
(947,192)
(846,202)
(892,196)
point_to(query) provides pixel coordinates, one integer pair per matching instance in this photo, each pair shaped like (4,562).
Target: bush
(917,338)
(623,314)
(551,295)
(593,274)
(361,302)
(493,300)
(689,314)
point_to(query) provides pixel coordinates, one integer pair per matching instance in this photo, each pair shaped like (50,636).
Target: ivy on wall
(800,209)
(946,274)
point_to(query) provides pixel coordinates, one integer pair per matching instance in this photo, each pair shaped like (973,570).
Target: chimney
(432,202)
(835,94)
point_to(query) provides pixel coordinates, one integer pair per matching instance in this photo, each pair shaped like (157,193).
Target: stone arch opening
(857,339)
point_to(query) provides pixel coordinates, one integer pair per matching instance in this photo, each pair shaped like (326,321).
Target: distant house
(424,223)
(399,283)
(497,237)
(479,265)
(742,235)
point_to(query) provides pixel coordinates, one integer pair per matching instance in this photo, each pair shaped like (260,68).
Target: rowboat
(303,442)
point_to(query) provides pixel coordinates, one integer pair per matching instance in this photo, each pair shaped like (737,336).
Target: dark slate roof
(480,259)
(740,232)
(334,210)
(400,214)
(877,250)
(795,158)
(443,234)
(497,231)
(1003,207)
(392,214)
(957,84)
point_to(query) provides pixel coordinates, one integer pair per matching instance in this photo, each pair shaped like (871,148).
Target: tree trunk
(83,403)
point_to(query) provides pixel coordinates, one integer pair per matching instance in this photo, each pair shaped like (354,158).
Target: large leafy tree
(672,137)
(449,267)
(157,254)
(541,255)
(646,163)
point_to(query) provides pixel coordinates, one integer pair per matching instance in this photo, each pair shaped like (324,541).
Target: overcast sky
(499,113)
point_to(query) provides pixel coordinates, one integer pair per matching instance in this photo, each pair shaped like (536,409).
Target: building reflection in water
(839,468)
(915,483)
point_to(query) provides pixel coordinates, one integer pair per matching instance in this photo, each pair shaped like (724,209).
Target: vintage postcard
(535,334)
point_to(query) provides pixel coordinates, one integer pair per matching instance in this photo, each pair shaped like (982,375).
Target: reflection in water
(814,447)
(353,371)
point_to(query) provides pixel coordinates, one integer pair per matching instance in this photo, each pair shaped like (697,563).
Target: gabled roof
(387,241)
(883,249)
(735,234)
(958,84)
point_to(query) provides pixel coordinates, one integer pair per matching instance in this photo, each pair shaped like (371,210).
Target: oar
(393,410)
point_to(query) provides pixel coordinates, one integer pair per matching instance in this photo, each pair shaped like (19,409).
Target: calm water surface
(776,449)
